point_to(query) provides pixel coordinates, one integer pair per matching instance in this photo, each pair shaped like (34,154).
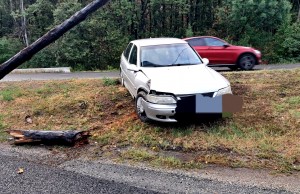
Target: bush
(291,43)
(8,48)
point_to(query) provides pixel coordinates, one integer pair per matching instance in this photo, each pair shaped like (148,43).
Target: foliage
(261,18)
(40,17)
(8,47)
(291,43)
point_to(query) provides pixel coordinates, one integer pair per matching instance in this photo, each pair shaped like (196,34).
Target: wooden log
(26,54)
(49,137)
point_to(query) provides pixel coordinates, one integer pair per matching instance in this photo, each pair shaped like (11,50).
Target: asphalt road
(92,177)
(112,74)
(44,179)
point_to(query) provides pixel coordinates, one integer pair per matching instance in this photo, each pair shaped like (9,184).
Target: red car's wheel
(246,62)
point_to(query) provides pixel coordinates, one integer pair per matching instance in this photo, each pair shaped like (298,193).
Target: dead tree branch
(49,37)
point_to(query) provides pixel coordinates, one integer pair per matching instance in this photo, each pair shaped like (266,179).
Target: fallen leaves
(20,171)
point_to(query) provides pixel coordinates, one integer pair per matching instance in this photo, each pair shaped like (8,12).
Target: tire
(246,62)
(122,79)
(140,111)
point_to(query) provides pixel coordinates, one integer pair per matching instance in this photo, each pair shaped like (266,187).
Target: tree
(291,42)
(255,26)
(40,18)
(8,47)
(50,37)
(263,15)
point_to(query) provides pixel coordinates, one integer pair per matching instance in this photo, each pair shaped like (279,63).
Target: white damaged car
(167,78)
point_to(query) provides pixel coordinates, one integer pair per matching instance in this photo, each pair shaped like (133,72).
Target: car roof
(200,37)
(158,41)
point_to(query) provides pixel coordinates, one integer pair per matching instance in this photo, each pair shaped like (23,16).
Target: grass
(110,81)
(3,134)
(10,93)
(264,135)
(154,159)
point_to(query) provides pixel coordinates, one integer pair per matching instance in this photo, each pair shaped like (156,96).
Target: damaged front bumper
(222,106)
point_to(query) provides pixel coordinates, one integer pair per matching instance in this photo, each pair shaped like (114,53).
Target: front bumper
(160,112)
(193,105)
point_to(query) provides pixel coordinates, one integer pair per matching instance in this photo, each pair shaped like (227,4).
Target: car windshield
(168,55)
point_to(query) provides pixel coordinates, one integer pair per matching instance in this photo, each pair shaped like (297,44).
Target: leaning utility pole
(49,37)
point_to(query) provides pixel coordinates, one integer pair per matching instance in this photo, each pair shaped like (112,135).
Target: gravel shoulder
(209,180)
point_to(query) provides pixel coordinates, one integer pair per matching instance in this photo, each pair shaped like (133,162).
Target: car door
(131,74)
(199,46)
(217,52)
(124,64)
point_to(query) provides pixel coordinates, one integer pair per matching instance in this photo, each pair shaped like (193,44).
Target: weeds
(10,93)
(265,134)
(110,82)
(139,155)
(3,134)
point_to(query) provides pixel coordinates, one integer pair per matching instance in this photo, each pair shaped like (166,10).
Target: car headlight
(257,52)
(161,99)
(223,91)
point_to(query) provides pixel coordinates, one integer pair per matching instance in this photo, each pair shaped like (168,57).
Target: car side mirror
(205,61)
(226,45)
(133,68)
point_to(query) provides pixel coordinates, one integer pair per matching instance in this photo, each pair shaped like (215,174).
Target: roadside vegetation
(264,135)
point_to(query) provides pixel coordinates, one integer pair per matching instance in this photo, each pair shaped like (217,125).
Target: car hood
(190,79)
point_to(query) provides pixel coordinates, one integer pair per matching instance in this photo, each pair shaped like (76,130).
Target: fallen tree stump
(49,137)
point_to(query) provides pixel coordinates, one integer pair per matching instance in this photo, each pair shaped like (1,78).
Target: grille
(209,94)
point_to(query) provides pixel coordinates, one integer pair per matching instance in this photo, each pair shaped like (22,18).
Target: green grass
(182,132)
(137,155)
(10,93)
(110,82)
(290,105)
(142,155)
(3,126)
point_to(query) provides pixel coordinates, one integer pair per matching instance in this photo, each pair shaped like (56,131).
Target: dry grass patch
(264,135)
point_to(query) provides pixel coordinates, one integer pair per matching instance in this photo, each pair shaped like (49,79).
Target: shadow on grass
(188,120)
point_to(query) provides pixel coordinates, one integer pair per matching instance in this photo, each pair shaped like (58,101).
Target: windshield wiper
(181,64)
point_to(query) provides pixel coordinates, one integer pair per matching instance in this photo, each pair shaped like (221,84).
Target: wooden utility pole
(49,37)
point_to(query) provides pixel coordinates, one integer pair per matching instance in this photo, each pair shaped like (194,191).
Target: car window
(127,51)
(214,42)
(133,55)
(168,55)
(196,42)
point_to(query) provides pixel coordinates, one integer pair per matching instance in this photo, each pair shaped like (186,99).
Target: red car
(219,52)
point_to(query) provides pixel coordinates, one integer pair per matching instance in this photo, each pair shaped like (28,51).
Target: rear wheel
(246,62)
(140,110)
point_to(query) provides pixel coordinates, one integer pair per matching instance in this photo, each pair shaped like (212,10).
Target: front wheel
(140,110)
(246,62)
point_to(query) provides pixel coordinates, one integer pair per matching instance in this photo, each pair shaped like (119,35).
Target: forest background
(272,26)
